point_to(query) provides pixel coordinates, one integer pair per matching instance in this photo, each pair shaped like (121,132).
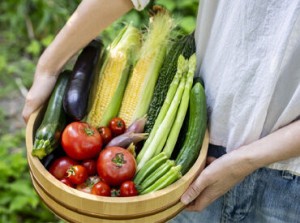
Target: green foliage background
(27,28)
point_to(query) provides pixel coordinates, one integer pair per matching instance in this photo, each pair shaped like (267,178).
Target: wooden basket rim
(154,195)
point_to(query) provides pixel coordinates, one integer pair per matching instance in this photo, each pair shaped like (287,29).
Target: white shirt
(249,58)
(140,4)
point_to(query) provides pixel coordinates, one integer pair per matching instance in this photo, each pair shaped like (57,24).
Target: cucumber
(184,46)
(48,134)
(194,136)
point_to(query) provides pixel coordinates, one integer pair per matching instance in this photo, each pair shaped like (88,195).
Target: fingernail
(185,199)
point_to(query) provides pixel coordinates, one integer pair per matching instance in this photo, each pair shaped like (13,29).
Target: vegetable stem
(158,173)
(184,104)
(181,67)
(150,167)
(170,177)
(164,128)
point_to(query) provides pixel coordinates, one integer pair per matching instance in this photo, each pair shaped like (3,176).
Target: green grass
(18,200)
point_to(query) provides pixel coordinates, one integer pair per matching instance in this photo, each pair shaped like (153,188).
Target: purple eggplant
(138,125)
(77,93)
(125,139)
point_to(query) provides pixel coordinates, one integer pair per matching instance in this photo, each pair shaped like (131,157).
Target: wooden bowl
(75,206)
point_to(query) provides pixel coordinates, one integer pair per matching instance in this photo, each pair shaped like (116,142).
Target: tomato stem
(71,171)
(119,159)
(115,193)
(119,123)
(89,131)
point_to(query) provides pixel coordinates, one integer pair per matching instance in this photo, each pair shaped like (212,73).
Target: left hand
(223,173)
(216,179)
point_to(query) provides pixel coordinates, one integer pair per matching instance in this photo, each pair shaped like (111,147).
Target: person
(247,54)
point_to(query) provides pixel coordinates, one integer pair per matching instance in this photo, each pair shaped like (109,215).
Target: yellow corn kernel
(136,86)
(109,87)
(108,83)
(140,87)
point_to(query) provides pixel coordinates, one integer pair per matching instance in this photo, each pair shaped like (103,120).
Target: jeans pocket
(238,201)
(278,200)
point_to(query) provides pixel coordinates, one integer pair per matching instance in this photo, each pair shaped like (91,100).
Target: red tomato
(88,184)
(67,182)
(91,166)
(128,189)
(117,126)
(60,166)
(81,141)
(105,133)
(101,188)
(77,174)
(116,165)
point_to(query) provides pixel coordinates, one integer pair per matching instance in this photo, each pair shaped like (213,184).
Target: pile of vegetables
(112,124)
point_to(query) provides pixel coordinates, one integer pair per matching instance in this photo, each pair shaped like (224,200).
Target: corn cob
(109,86)
(140,87)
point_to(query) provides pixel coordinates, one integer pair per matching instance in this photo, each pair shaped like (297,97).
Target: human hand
(216,179)
(39,92)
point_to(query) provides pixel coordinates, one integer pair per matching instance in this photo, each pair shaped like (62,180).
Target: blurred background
(27,27)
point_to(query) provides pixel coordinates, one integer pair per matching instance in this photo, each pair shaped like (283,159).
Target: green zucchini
(48,134)
(194,136)
(184,46)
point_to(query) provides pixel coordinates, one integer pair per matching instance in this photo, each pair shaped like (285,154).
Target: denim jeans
(265,196)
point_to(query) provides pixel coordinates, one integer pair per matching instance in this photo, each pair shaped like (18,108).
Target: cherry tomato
(105,133)
(81,141)
(116,165)
(128,189)
(67,182)
(77,174)
(59,167)
(101,188)
(88,184)
(117,126)
(91,166)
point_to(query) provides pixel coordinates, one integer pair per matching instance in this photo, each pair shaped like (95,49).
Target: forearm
(279,145)
(223,173)
(90,18)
